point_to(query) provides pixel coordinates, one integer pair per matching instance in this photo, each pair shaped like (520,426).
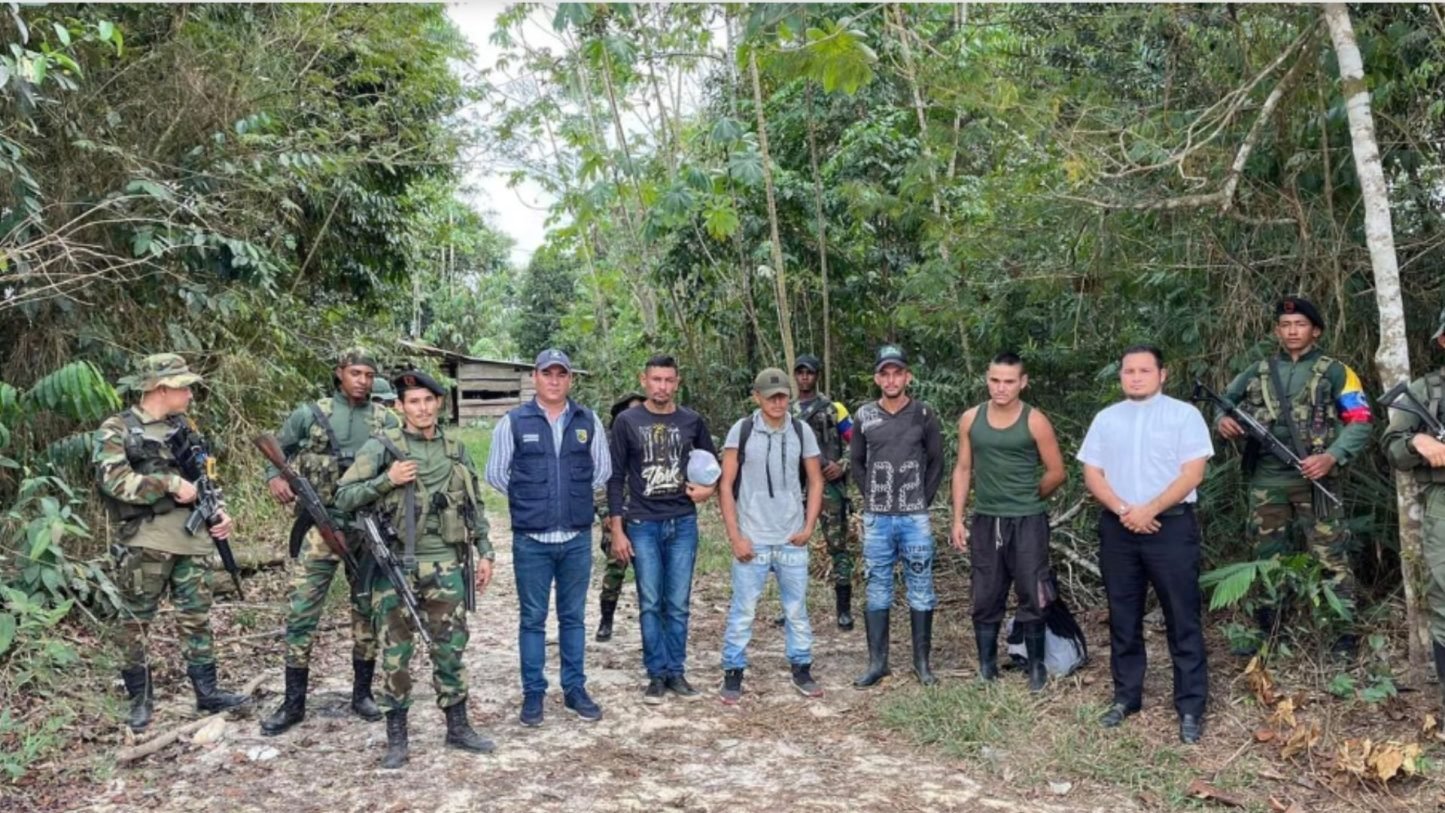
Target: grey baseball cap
(552,357)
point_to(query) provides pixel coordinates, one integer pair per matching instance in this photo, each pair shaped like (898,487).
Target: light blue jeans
(790,563)
(887,538)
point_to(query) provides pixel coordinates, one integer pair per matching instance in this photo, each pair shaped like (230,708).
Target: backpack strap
(1435,392)
(1271,401)
(408,507)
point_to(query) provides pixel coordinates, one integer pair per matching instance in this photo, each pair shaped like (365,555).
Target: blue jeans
(663,553)
(790,562)
(888,538)
(536,566)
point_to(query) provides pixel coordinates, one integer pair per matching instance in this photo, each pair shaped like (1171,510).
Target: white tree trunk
(785,309)
(1392,359)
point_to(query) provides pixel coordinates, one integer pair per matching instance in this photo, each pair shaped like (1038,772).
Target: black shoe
(845,606)
(1034,644)
(781,620)
(293,706)
(362,703)
(208,697)
(460,734)
(581,704)
(604,627)
(1191,728)
(1440,669)
(395,740)
(532,709)
(803,680)
(138,689)
(678,685)
(1114,716)
(876,624)
(732,686)
(655,692)
(986,636)
(921,622)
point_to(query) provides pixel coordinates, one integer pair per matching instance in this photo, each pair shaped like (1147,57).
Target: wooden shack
(484,388)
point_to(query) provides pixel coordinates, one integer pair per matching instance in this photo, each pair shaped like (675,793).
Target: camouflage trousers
(1273,510)
(834,521)
(1434,527)
(616,571)
(439,592)
(308,597)
(143,576)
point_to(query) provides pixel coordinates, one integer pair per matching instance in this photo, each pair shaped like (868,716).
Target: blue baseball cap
(552,357)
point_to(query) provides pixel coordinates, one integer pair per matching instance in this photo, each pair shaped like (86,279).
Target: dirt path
(775,751)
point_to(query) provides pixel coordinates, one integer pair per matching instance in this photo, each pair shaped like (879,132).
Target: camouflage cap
(381,391)
(163,370)
(353,356)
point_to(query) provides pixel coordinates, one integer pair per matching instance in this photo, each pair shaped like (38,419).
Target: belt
(1177,510)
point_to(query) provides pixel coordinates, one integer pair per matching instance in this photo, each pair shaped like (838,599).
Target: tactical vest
(439,513)
(1311,409)
(549,488)
(1435,404)
(822,417)
(146,456)
(320,459)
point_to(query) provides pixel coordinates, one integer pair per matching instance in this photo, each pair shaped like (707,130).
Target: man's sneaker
(803,680)
(732,686)
(656,688)
(581,705)
(678,685)
(532,709)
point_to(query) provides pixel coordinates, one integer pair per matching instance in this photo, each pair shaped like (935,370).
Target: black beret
(1301,306)
(412,379)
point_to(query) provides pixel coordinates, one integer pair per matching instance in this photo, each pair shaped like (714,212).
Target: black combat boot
(460,734)
(293,706)
(362,703)
(1440,670)
(208,697)
(1034,644)
(922,624)
(604,627)
(986,635)
(395,740)
(845,606)
(876,624)
(138,689)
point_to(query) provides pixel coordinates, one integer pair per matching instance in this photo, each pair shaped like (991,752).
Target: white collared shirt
(1141,445)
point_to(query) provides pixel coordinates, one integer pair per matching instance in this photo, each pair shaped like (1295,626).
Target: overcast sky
(518,212)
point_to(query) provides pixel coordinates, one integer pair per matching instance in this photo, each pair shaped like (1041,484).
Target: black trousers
(1168,560)
(1010,552)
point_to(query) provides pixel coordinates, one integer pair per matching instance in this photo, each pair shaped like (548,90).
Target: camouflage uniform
(832,426)
(136,474)
(321,439)
(1430,391)
(446,480)
(616,571)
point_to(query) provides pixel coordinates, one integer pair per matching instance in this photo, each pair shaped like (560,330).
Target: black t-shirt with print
(649,462)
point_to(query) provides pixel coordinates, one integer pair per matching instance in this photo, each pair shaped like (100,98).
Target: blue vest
(549,490)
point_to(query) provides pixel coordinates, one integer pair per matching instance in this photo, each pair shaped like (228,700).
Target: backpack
(745,431)
(1065,649)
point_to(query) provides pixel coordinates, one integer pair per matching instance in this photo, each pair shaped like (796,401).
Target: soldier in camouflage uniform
(833,427)
(419,465)
(321,439)
(382,394)
(1411,448)
(616,568)
(1315,405)
(141,485)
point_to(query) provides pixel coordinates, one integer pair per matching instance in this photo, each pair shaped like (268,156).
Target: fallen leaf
(1301,739)
(1283,716)
(1060,788)
(1260,683)
(1430,726)
(1270,773)
(1264,735)
(210,732)
(1200,789)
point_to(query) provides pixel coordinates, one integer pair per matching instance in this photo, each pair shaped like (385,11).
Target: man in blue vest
(548,456)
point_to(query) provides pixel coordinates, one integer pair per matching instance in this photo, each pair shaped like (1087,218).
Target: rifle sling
(1296,438)
(408,509)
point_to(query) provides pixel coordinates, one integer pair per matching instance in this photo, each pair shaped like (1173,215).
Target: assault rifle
(315,513)
(468,511)
(1412,405)
(194,456)
(379,535)
(1260,434)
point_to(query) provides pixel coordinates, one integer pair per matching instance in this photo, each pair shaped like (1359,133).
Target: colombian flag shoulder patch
(1351,401)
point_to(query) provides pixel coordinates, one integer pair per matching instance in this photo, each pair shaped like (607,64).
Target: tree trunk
(785,318)
(822,245)
(1392,359)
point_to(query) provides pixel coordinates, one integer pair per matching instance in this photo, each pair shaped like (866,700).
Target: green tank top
(1005,467)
